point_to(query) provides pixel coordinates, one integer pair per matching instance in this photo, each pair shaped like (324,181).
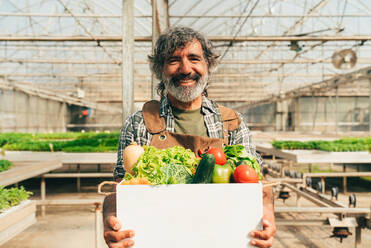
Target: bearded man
(182,60)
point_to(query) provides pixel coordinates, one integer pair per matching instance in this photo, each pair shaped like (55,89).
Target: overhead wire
(240,28)
(89,33)
(342,16)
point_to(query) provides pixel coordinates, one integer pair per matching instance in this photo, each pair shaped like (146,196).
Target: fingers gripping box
(191,215)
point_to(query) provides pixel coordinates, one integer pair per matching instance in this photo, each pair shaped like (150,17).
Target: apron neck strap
(152,119)
(231,121)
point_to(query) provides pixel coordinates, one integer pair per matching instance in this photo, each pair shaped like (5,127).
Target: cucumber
(205,168)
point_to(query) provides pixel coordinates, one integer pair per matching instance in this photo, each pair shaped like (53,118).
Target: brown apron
(163,139)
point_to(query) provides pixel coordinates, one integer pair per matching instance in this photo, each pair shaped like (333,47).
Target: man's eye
(172,61)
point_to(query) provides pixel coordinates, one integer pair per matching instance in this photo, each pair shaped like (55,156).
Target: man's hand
(112,235)
(264,238)
(115,238)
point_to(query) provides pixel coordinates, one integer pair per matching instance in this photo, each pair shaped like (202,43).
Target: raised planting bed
(65,142)
(23,170)
(16,219)
(316,156)
(341,145)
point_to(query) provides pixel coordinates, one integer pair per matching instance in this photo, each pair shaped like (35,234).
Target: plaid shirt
(134,130)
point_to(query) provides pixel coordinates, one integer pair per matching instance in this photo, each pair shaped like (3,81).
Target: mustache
(177,78)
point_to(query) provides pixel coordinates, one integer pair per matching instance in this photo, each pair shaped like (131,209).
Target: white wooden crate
(190,215)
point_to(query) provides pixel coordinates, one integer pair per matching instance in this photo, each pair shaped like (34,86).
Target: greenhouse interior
(296,74)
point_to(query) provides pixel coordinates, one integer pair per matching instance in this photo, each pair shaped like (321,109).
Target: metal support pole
(297,114)
(160,22)
(63,115)
(336,109)
(28,107)
(344,180)
(325,112)
(312,112)
(155,35)
(127,65)
(278,116)
(285,112)
(369,108)
(43,193)
(358,238)
(165,7)
(298,196)
(78,181)
(98,225)
(282,173)
(46,112)
(345,185)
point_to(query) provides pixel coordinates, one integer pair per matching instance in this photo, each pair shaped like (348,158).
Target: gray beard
(185,93)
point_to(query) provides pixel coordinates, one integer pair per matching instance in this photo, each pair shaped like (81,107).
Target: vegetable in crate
(245,174)
(131,155)
(174,165)
(135,181)
(219,155)
(237,155)
(222,173)
(205,169)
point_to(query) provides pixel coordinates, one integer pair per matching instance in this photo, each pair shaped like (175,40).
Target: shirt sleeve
(242,136)
(126,138)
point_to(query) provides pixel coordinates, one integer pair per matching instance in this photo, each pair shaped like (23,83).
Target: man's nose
(185,67)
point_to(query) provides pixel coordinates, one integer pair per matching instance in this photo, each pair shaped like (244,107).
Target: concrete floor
(75,226)
(61,227)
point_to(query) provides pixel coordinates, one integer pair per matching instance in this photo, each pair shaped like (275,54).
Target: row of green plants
(66,142)
(107,142)
(10,197)
(5,165)
(340,145)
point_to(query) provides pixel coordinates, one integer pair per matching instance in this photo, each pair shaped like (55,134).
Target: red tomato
(245,174)
(219,155)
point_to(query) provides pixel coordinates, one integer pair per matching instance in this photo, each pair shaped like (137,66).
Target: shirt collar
(164,106)
(208,105)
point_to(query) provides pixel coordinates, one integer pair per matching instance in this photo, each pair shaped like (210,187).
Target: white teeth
(186,81)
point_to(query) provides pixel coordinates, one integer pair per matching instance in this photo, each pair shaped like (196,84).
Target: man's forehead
(193,47)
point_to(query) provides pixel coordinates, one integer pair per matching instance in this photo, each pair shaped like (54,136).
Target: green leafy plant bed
(340,145)
(5,165)
(66,142)
(12,196)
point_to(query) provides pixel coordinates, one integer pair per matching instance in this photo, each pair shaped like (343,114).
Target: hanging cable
(90,34)
(240,28)
(342,16)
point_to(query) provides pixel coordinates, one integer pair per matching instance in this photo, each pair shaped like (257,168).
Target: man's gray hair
(173,39)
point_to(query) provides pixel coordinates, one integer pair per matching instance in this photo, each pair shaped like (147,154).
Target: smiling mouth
(187,82)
